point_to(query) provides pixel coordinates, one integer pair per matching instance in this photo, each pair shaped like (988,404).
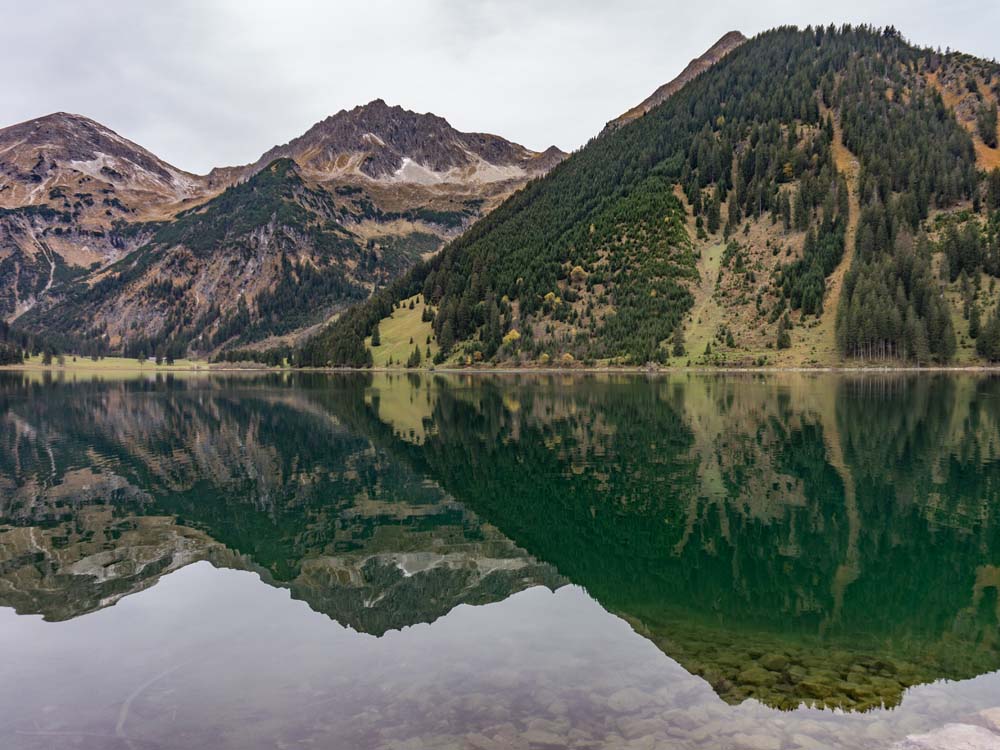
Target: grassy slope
(397,330)
(818,344)
(706,314)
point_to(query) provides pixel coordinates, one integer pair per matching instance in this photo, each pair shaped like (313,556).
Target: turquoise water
(421,561)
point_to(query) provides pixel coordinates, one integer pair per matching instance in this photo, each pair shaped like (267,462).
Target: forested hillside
(819,196)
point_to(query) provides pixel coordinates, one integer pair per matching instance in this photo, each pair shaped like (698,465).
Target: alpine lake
(421,561)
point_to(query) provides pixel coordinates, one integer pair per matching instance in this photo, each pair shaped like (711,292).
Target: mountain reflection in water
(826,541)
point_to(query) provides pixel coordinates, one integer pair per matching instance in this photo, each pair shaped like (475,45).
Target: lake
(500,561)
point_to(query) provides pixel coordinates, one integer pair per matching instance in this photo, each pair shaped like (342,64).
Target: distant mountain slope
(77,198)
(696,67)
(809,199)
(275,245)
(67,185)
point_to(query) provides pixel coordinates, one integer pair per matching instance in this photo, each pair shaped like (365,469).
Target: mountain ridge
(726,44)
(76,198)
(388,135)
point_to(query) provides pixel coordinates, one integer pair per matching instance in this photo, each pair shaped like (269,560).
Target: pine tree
(734,216)
(988,342)
(714,212)
(446,339)
(801,212)
(974,321)
(993,189)
(986,122)
(414,359)
(784,338)
(678,349)
(786,211)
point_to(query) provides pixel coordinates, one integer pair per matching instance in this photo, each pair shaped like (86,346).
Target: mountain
(70,154)
(67,187)
(380,142)
(90,221)
(275,243)
(696,67)
(821,196)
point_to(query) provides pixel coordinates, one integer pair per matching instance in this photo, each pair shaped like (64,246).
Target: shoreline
(608,370)
(673,370)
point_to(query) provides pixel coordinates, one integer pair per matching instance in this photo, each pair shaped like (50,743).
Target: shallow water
(789,561)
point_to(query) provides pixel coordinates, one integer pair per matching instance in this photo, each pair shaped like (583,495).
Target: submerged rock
(952,737)
(757,676)
(774,662)
(991,717)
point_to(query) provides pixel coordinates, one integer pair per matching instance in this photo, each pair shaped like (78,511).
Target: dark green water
(419,561)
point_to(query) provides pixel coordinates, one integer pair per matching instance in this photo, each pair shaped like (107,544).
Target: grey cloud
(205,84)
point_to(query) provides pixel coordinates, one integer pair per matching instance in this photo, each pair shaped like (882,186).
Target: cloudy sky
(206,83)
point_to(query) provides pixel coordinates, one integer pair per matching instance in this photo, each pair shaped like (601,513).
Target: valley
(389,432)
(854,221)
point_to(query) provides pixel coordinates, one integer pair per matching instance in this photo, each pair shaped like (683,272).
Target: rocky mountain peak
(388,143)
(726,44)
(65,150)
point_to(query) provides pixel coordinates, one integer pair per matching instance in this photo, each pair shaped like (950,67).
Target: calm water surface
(419,561)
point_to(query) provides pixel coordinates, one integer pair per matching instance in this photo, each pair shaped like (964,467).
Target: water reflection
(799,540)
(827,540)
(108,487)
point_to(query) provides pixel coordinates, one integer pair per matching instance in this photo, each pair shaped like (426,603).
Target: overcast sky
(206,83)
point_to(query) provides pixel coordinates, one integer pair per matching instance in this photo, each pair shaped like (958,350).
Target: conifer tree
(678,349)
